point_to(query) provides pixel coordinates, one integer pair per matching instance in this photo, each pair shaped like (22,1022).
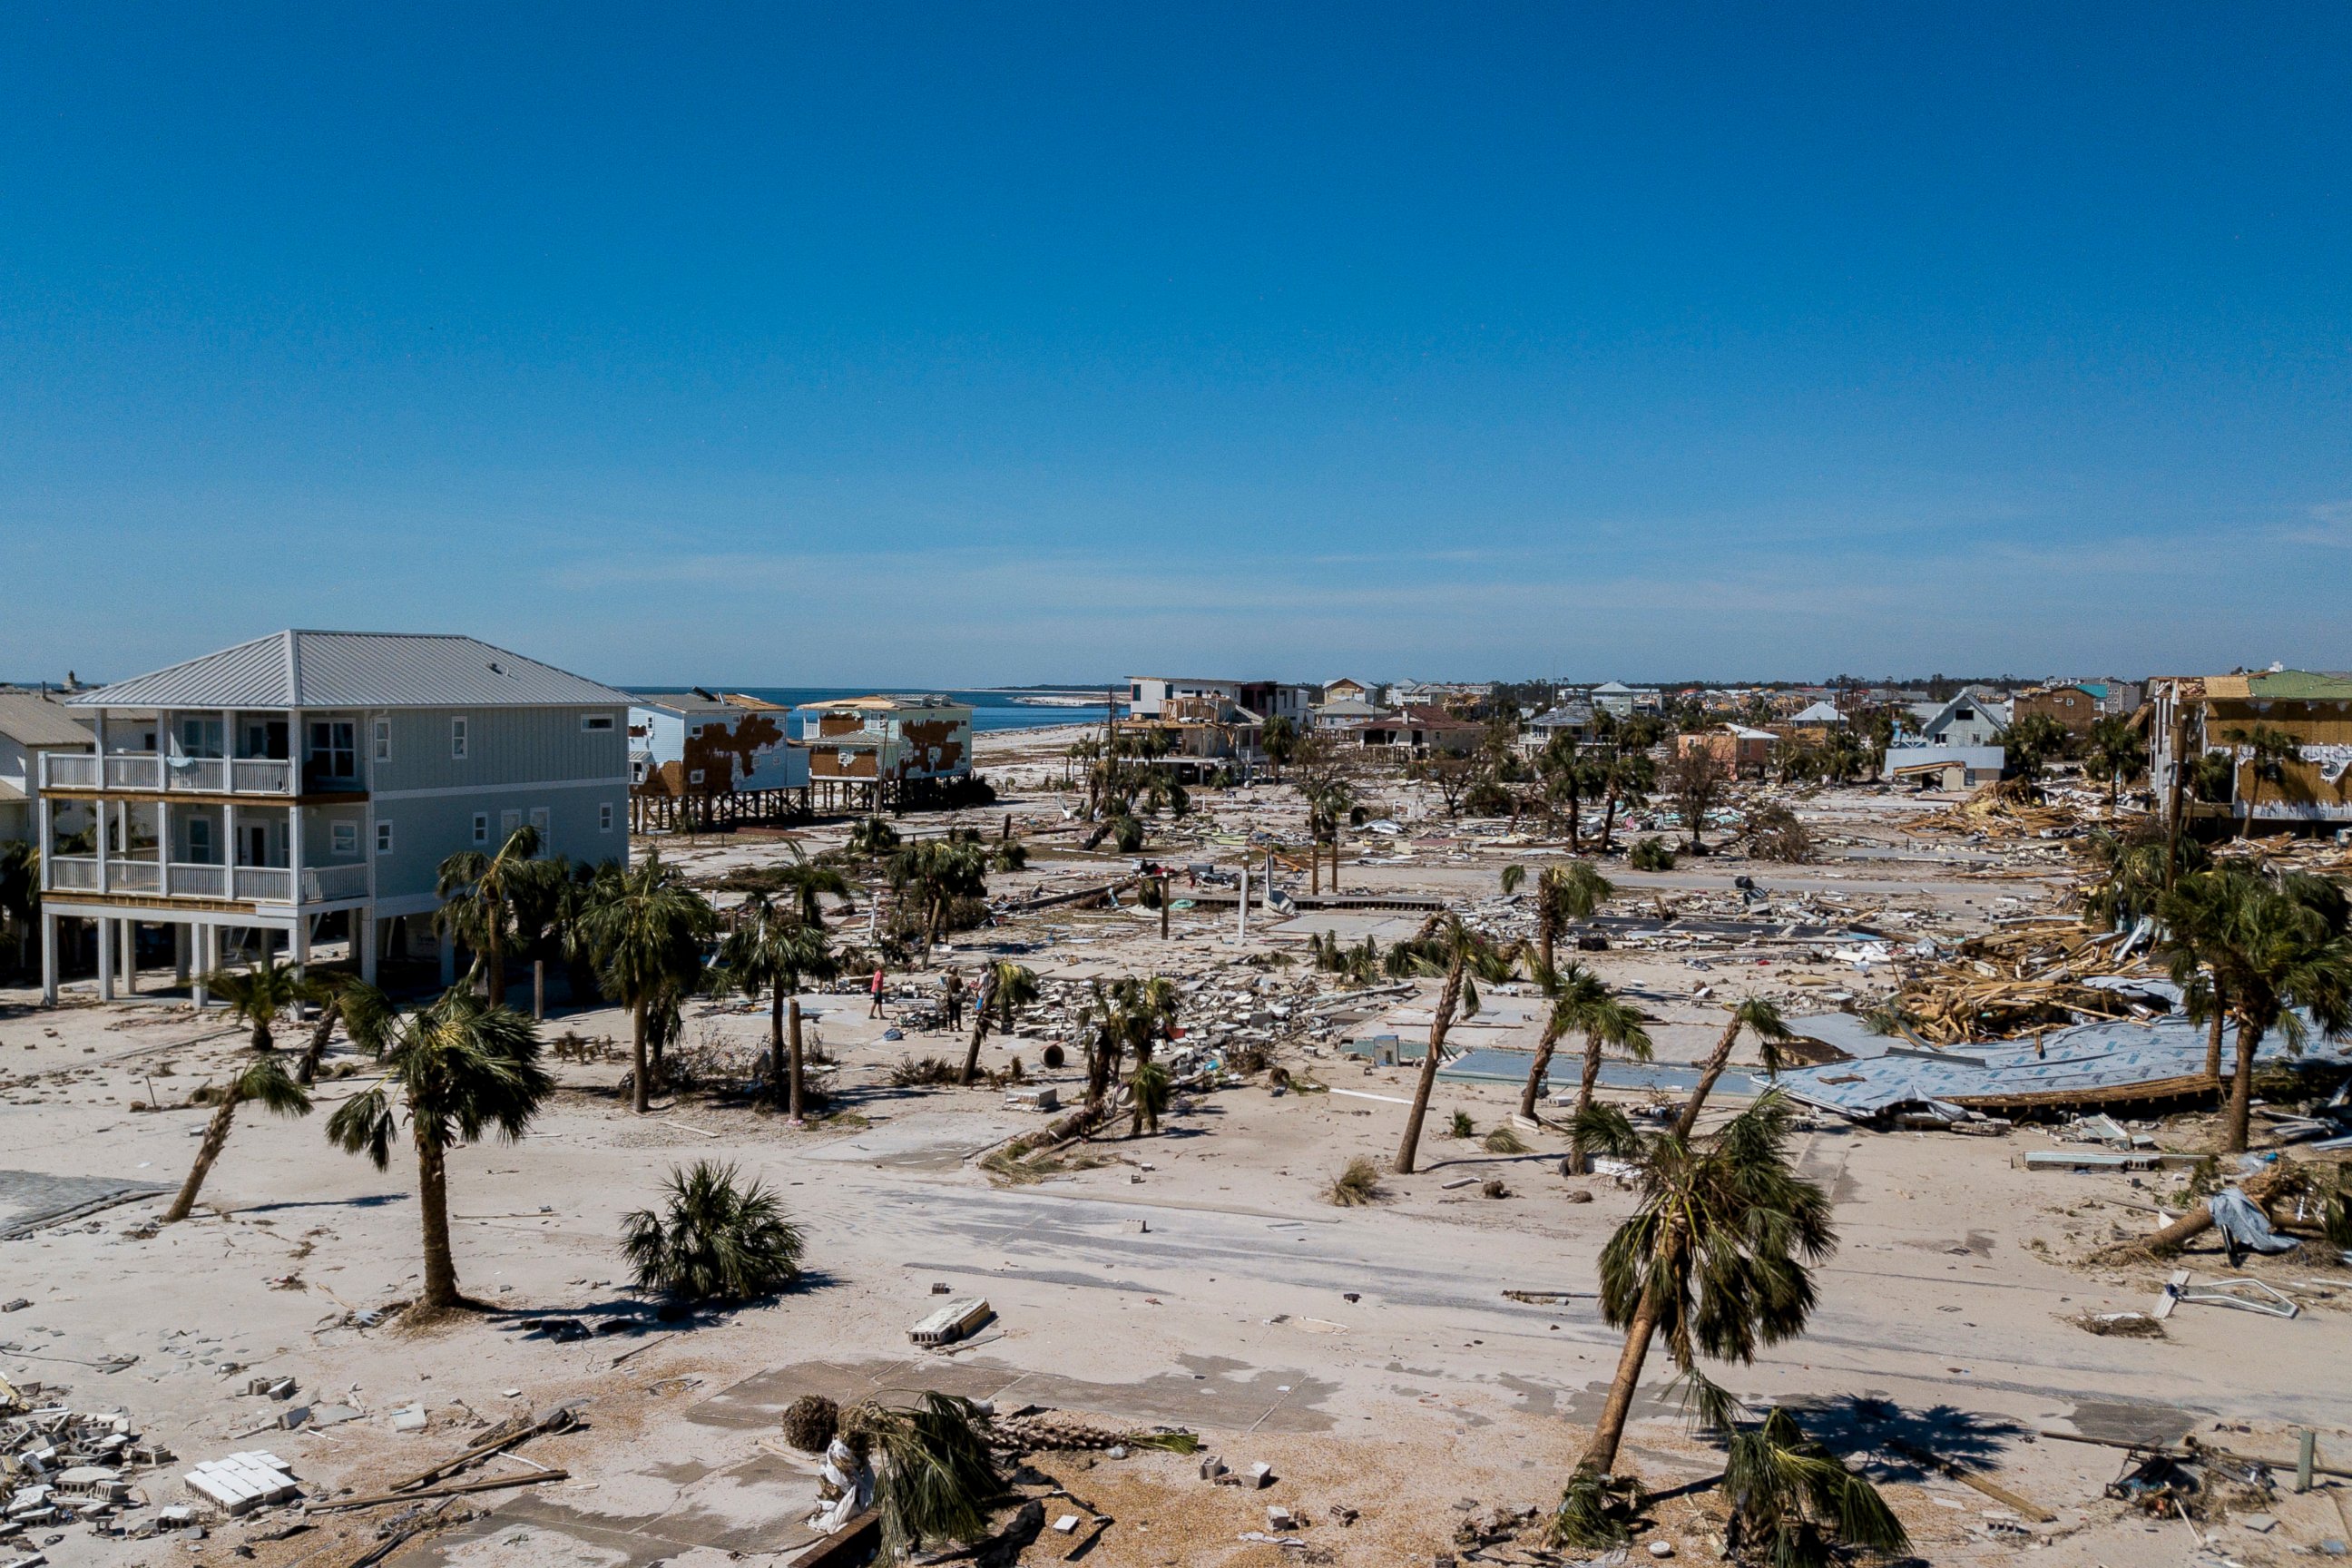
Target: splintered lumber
(1967,1478)
(560,1419)
(454,1488)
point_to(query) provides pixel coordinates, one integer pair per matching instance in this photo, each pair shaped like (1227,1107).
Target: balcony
(154,772)
(186,879)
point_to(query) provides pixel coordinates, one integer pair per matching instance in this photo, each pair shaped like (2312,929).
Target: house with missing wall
(2218,715)
(885,754)
(304,788)
(728,757)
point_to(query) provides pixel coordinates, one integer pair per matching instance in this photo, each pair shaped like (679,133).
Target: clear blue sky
(957,345)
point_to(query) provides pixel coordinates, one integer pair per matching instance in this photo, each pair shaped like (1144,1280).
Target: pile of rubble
(62,1466)
(2026,978)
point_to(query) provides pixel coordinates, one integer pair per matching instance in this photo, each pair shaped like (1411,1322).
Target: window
(604,817)
(481,827)
(200,738)
(346,836)
(200,841)
(458,739)
(540,826)
(596,722)
(384,740)
(694,777)
(508,822)
(383,838)
(334,748)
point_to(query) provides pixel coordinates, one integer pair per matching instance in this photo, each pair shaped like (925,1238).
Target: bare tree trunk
(1601,1457)
(1447,1000)
(494,969)
(972,1052)
(433,1209)
(1585,1084)
(1608,819)
(1536,1071)
(215,1139)
(306,1072)
(793,1028)
(2213,1042)
(2242,1088)
(776,1070)
(1314,862)
(641,1079)
(1714,1069)
(1547,932)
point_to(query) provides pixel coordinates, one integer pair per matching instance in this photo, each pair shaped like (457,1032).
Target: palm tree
(1759,1019)
(938,872)
(872,836)
(1793,1502)
(1718,1258)
(1127,1014)
(1572,992)
(1279,739)
(809,883)
(2116,753)
(1462,957)
(478,894)
(2268,751)
(1149,1087)
(262,995)
(2277,948)
(338,997)
(1005,988)
(714,1240)
(265,1081)
(1607,1021)
(646,930)
(1564,895)
(460,1068)
(773,949)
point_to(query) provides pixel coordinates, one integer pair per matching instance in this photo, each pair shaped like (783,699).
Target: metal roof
(355,669)
(32,719)
(680,702)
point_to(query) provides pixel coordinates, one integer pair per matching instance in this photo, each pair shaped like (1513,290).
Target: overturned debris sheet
(2105,1063)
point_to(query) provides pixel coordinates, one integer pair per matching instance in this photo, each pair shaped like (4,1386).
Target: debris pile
(64,1466)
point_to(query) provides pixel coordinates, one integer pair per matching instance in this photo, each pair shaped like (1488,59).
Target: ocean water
(990,710)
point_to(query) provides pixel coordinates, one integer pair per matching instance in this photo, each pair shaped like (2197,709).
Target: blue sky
(972,344)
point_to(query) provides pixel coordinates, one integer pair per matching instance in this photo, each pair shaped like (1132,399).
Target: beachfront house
(728,757)
(31,724)
(305,787)
(880,753)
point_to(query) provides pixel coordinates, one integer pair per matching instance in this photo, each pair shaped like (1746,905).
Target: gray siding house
(310,784)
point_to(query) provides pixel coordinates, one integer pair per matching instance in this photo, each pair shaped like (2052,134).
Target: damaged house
(724,758)
(2283,739)
(885,754)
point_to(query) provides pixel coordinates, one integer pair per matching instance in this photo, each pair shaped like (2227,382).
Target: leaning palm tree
(1793,1503)
(479,893)
(715,1240)
(1005,988)
(459,1070)
(936,872)
(936,1481)
(1571,992)
(1149,1088)
(2279,950)
(1455,952)
(646,930)
(1564,895)
(339,995)
(773,949)
(1608,1021)
(259,996)
(1759,1019)
(264,1081)
(1717,1259)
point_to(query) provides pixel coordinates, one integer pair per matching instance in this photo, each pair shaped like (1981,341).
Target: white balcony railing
(178,775)
(264,884)
(70,873)
(326,884)
(192,880)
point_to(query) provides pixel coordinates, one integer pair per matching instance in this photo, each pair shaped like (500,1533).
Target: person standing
(951,997)
(875,988)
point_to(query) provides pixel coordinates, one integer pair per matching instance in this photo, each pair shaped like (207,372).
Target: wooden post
(539,991)
(1163,903)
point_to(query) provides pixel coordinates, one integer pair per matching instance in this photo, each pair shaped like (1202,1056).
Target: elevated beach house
(308,784)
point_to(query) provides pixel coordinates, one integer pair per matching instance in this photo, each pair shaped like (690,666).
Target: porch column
(130,933)
(162,848)
(228,849)
(179,945)
(297,941)
(207,960)
(49,918)
(294,854)
(364,922)
(105,924)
